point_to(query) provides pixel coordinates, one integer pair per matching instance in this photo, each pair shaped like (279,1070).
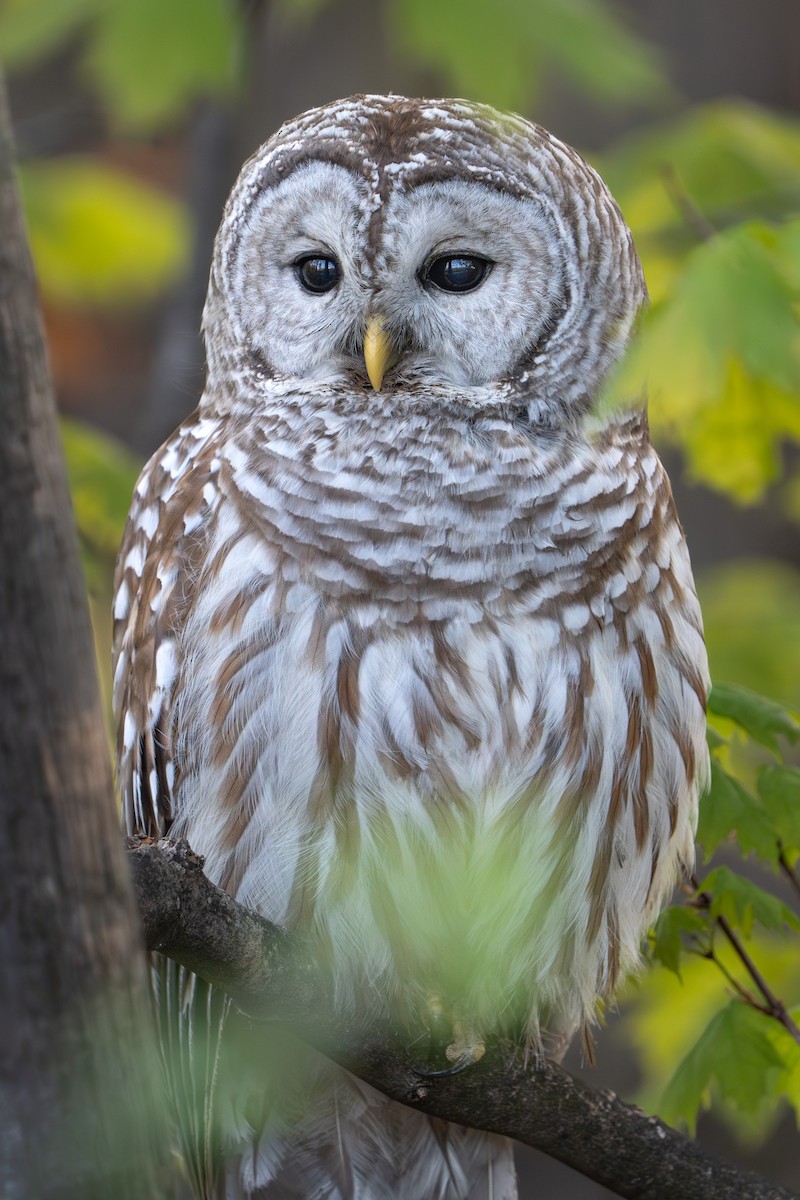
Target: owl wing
(172,509)
(171,516)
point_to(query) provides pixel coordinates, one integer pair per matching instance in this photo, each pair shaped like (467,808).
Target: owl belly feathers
(452,725)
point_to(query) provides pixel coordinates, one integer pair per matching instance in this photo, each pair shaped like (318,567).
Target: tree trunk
(77,1076)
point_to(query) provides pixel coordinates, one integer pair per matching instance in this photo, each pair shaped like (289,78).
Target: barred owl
(399,592)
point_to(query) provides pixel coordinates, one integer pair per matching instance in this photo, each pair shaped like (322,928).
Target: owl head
(395,246)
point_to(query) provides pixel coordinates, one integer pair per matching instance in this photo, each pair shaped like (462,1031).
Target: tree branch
(272,975)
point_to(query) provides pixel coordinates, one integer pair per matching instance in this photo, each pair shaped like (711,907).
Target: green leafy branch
(757,807)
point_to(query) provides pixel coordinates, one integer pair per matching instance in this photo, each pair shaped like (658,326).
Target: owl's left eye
(456,272)
(317,273)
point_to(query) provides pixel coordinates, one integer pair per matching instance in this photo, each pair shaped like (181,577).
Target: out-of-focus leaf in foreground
(99,235)
(499,52)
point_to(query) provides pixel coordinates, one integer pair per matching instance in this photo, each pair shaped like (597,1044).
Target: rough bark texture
(271,975)
(72,985)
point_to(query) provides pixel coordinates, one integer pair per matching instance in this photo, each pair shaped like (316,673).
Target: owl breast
(497,674)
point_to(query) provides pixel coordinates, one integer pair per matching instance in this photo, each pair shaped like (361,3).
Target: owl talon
(464,1051)
(456,1069)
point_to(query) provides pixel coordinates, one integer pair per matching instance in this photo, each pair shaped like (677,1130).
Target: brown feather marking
(634,735)
(347,690)
(598,881)
(448,709)
(615,800)
(574,731)
(695,679)
(687,753)
(612,954)
(393,760)
(427,722)
(641,808)
(655,859)
(233,613)
(667,627)
(647,667)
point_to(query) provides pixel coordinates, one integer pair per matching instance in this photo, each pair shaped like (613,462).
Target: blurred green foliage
(751,609)
(712,197)
(146,59)
(503,53)
(98,235)
(102,474)
(730,397)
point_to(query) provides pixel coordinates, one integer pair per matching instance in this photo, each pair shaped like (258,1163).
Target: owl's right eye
(317,273)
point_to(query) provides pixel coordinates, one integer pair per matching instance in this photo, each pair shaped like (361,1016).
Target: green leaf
(736,1055)
(668,931)
(779,789)
(731,160)
(762,719)
(742,902)
(729,808)
(789,1051)
(499,53)
(715,739)
(789,249)
(100,236)
(720,358)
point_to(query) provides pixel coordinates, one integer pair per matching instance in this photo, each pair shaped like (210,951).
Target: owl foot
(465,1049)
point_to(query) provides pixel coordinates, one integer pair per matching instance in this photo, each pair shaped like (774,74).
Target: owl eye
(317,273)
(457,272)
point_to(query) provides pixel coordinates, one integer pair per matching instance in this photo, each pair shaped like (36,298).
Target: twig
(773,1007)
(789,872)
(741,991)
(692,215)
(271,974)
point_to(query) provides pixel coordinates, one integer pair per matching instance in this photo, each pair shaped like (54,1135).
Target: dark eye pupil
(318,274)
(459,273)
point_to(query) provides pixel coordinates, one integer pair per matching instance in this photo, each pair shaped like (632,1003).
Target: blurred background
(132,118)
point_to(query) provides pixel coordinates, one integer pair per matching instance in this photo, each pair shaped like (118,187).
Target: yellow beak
(377,351)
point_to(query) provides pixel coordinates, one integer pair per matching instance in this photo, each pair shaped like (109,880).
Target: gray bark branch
(271,975)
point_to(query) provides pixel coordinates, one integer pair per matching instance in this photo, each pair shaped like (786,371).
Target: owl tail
(192,1020)
(261,1116)
(352,1143)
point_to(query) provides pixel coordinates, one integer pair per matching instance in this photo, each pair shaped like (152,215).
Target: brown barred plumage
(450,623)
